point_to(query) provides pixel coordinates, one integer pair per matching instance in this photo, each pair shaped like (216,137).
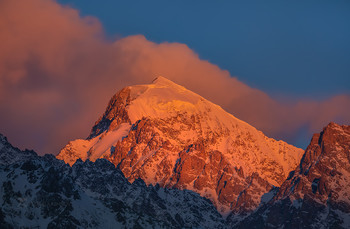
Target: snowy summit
(166,134)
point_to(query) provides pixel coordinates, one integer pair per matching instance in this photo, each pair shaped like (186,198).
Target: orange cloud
(57,73)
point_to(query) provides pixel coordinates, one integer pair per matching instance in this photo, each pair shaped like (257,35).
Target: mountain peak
(332,126)
(316,194)
(164,133)
(161,80)
(325,158)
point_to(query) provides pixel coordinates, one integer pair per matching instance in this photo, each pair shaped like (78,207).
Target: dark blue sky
(290,48)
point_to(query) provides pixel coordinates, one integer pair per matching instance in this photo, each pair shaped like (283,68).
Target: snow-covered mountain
(44,192)
(317,193)
(168,135)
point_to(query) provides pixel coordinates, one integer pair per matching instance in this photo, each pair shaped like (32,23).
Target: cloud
(57,73)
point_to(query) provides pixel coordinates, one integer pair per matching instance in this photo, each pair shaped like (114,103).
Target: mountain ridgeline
(44,192)
(162,156)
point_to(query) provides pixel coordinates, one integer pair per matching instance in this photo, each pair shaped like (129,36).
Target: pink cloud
(57,73)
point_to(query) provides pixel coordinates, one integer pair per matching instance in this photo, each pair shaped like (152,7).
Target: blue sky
(285,48)
(57,74)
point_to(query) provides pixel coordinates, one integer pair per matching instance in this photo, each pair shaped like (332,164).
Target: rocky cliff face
(168,135)
(317,193)
(44,192)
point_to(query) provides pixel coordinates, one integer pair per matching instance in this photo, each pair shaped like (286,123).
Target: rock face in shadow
(168,135)
(44,192)
(317,193)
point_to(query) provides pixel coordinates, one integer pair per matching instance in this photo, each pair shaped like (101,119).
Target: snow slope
(166,134)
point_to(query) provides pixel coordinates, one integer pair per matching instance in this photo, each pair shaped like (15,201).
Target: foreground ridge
(44,192)
(168,135)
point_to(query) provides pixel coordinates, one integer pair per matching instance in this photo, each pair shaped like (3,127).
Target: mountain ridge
(166,134)
(316,193)
(44,192)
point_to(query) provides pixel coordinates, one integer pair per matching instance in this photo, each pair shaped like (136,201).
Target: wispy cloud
(57,73)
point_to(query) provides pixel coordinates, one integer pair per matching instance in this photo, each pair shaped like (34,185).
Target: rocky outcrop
(114,115)
(316,193)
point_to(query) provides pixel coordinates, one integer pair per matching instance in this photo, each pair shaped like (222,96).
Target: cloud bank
(58,71)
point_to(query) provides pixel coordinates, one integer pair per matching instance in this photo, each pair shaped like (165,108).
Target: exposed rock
(168,135)
(317,193)
(44,192)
